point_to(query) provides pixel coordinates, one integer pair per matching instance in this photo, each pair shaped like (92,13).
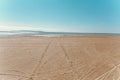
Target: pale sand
(60,58)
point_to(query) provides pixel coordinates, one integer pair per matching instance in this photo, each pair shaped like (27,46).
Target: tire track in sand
(39,62)
(69,60)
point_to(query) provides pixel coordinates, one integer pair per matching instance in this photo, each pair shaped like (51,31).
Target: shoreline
(56,35)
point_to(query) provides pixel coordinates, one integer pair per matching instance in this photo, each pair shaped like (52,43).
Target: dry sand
(60,58)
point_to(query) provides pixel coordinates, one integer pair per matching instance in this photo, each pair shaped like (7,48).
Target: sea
(50,34)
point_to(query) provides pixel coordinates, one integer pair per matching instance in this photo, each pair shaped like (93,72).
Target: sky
(100,16)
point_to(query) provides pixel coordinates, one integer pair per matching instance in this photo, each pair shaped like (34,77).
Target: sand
(60,58)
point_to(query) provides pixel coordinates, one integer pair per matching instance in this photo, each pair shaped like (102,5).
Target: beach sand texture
(60,58)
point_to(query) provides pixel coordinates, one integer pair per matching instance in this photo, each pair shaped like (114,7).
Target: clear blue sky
(61,15)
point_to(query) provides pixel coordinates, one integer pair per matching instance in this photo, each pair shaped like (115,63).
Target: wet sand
(60,58)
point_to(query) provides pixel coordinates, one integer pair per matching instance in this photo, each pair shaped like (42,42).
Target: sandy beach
(60,58)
